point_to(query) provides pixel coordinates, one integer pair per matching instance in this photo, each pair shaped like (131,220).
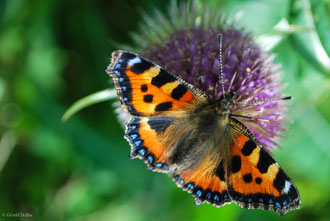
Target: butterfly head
(225,104)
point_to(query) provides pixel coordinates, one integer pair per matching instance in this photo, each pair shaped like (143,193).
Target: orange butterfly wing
(152,96)
(206,182)
(144,136)
(146,89)
(255,180)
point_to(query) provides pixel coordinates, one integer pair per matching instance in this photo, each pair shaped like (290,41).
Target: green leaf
(89,100)
(308,44)
(7,145)
(257,16)
(280,31)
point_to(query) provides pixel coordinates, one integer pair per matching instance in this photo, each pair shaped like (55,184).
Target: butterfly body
(175,128)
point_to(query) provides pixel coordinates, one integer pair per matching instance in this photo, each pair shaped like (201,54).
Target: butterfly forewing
(145,89)
(255,180)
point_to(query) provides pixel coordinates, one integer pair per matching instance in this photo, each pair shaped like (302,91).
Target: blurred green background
(54,52)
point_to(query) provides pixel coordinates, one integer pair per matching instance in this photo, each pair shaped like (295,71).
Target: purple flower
(187,45)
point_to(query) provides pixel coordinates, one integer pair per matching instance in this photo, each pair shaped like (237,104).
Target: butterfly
(175,128)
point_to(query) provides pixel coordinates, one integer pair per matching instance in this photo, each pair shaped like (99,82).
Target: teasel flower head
(186,43)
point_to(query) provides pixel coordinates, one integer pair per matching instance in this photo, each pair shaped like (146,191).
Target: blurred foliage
(54,52)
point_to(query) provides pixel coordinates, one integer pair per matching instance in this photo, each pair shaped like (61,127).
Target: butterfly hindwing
(255,180)
(154,141)
(206,183)
(145,89)
(146,136)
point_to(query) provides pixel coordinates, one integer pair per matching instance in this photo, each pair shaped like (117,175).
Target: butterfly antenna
(231,82)
(250,118)
(221,67)
(263,101)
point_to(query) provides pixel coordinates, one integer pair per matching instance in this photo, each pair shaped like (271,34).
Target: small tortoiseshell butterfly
(175,128)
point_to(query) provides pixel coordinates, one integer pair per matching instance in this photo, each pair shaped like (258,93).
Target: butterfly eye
(231,95)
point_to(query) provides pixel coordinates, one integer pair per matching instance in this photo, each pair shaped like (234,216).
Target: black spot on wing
(236,164)
(141,67)
(247,178)
(220,171)
(165,106)
(162,78)
(248,148)
(178,92)
(148,98)
(279,180)
(159,124)
(144,88)
(258,180)
(265,160)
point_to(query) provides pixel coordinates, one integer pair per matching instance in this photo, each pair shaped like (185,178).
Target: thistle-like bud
(186,43)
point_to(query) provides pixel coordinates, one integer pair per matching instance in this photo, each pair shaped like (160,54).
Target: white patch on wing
(134,61)
(287,186)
